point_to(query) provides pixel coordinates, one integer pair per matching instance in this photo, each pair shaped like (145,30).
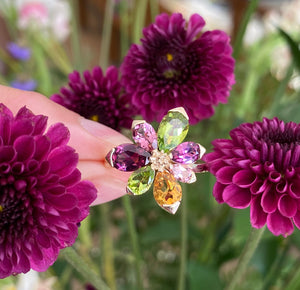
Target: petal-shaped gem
(144,135)
(167,191)
(183,173)
(140,181)
(128,157)
(187,152)
(199,167)
(172,129)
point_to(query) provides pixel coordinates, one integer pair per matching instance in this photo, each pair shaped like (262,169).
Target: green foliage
(201,276)
(294,47)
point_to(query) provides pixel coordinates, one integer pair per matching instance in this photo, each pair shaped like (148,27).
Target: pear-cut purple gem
(128,157)
(186,152)
(144,135)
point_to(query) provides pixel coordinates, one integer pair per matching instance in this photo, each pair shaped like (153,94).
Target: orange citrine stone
(167,191)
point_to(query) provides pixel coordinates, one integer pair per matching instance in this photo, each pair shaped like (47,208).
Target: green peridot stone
(140,181)
(172,130)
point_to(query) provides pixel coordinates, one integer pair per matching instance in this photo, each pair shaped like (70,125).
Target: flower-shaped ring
(160,158)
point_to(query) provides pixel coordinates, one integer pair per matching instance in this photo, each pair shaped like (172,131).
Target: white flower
(52,18)
(32,281)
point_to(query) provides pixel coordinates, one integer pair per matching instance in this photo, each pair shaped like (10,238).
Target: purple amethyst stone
(128,157)
(187,152)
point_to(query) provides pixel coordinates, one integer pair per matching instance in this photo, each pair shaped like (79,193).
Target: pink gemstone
(128,157)
(187,152)
(199,167)
(144,135)
(183,173)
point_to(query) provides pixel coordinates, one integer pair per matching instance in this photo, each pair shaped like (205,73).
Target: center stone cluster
(160,160)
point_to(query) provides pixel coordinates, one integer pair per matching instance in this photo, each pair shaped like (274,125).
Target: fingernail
(101,131)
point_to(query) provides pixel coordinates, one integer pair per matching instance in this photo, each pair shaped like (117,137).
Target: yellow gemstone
(167,191)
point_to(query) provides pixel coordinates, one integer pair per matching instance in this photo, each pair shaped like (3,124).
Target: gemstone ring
(160,159)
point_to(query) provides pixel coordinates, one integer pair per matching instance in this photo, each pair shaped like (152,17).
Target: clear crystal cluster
(159,159)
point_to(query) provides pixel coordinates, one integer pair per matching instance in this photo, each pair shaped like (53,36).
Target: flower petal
(25,147)
(236,197)
(259,186)
(258,217)
(63,160)
(296,219)
(294,189)
(58,134)
(195,25)
(279,225)
(5,128)
(225,174)
(287,206)
(244,178)
(218,192)
(269,201)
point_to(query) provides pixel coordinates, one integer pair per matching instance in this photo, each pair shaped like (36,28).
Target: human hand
(90,139)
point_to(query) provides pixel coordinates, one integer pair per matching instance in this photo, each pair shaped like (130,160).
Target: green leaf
(241,225)
(42,71)
(203,277)
(165,229)
(266,254)
(294,47)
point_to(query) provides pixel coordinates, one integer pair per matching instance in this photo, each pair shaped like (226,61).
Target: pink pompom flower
(260,167)
(42,197)
(175,67)
(97,97)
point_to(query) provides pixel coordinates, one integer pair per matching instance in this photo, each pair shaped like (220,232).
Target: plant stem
(154,9)
(43,73)
(183,241)
(276,104)
(75,35)
(106,34)
(134,239)
(276,268)
(139,19)
(293,282)
(81,267)
(84,234)
(240,35)
(247,104)
(248,251)
(124,28)
(107,247)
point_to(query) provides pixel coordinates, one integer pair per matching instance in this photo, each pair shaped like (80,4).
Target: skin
(90,139)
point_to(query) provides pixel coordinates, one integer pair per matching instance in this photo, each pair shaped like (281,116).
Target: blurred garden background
(130,243)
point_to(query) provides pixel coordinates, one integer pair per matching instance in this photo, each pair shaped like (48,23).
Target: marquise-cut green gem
(172,130)
(140,181)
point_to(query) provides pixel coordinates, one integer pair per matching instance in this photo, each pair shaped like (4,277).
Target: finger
(91,140)
(110,182)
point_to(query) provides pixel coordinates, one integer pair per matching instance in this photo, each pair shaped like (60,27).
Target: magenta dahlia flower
(42,199)
(260,167)
(97,97)
(173,67)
